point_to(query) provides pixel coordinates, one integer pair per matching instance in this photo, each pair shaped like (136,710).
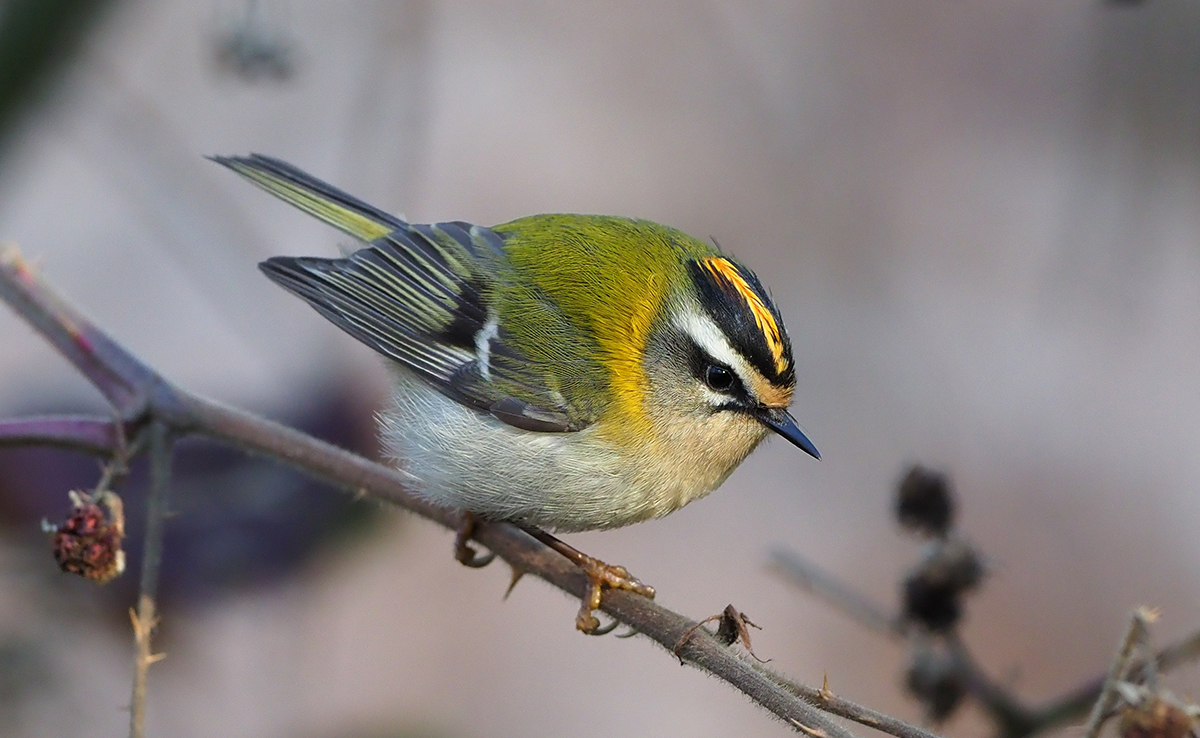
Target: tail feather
(411,294)
(319,199)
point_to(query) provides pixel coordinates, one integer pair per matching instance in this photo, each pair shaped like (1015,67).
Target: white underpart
(576,481)
(483,343)
(713,342)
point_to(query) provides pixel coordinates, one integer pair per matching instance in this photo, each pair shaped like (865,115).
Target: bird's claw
(463,552)
(597,630)
(599,576)
(469,557)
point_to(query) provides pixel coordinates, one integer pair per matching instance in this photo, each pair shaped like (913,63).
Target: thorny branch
(830,702)
(1013,718)
(145,619)
(141,398)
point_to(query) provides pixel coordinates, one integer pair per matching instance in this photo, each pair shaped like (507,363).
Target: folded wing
(420,295)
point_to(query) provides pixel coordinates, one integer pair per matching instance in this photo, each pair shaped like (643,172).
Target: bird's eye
(718,378)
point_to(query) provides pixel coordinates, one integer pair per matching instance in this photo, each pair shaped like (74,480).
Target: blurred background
(980,220)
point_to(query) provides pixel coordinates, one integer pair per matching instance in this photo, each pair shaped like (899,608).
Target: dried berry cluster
(941,673)
(88,543)
(933,590)
(949,566)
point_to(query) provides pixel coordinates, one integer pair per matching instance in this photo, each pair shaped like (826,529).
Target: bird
(561,372)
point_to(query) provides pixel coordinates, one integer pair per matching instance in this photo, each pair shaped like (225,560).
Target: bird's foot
(599,575)
(463,552)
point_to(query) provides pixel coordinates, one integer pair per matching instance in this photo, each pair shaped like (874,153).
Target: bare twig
(1177,654)
(79,433)
(139,395)
(145,620)
(1076,703)
(1121,663)
(830,702)
(1013,718)
(812,578)
(120,377)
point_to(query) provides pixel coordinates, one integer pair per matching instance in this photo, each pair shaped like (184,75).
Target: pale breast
(559,481)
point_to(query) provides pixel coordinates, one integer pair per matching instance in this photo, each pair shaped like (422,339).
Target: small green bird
(561,372)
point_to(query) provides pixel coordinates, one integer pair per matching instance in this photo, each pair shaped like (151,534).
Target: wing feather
(420,295)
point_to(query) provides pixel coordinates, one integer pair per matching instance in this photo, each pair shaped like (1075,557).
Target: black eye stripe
(719,378)
(723,380)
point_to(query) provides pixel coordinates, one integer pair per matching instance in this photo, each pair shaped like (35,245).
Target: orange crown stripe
(728,275)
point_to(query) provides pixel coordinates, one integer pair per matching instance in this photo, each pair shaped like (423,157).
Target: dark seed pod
(925,502)
(935,678)
(932,604)
(933,590)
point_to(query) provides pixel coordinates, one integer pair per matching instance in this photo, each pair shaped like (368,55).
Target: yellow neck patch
(732,282)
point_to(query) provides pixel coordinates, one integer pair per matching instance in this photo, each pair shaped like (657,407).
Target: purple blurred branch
(122,379)
(97,436)
(141,397)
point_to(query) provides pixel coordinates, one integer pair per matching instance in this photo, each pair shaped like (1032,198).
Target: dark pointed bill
(784,424)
